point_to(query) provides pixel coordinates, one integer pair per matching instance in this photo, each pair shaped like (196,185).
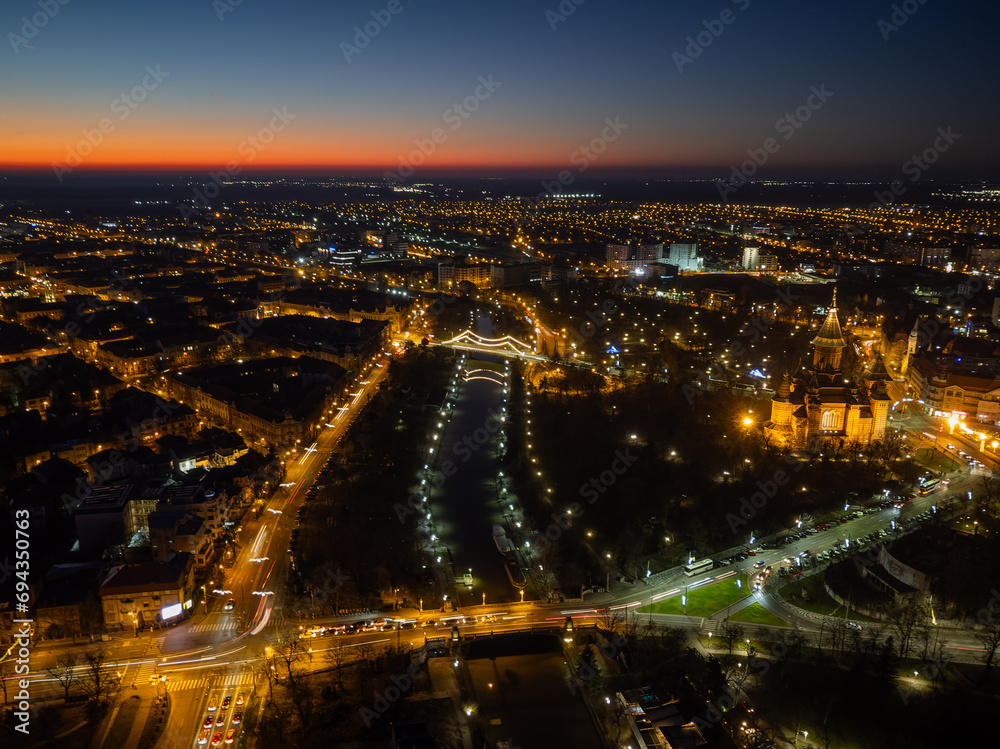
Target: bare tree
(611,619)
(337,657)
(289,652)
(100,679)
(65,672)
(630,624)
(270,672)
(838,635)
(904,620)
(988,635)
(730,634)
(366,653)
(986,498)
(737,674)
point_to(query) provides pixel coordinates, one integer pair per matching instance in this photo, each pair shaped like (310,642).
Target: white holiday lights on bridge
(509,342)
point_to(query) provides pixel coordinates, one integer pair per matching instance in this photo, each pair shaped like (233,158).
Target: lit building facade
(825,402)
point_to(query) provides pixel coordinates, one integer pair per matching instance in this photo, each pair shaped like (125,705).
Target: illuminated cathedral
(823,401)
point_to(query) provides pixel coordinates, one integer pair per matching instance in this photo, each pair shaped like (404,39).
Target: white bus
(694,568)
(930,487)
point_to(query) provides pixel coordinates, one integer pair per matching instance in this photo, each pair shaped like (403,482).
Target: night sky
(891,88)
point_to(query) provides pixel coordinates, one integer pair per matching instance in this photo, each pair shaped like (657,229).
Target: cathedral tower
(830,342)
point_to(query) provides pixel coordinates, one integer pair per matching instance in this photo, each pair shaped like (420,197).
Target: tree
(100,679)
(986,499)
(988,634)
(64,672)
(337,657)
(289,651)
(838,635)
(730,634)
(630,624)
(904,619)
(610,619)
(366,653)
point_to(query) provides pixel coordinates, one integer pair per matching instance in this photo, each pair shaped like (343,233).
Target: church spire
(784,389)
(830,335)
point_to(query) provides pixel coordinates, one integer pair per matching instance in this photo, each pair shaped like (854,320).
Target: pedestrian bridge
(508,345)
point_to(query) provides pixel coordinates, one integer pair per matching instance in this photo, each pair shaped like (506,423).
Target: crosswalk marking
(211,627)
(180,686)
(230,680)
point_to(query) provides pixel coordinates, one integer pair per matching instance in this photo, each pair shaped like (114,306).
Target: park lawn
(935,462)
(819,601)
(757,614)
(703,601)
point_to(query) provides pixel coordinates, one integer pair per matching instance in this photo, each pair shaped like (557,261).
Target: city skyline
(421,90)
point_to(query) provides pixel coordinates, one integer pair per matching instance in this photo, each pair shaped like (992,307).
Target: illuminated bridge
(506,346)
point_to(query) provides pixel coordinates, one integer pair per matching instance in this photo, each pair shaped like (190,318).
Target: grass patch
(816,599)
(757,614)
(808,593)
(935,461)
(703,601)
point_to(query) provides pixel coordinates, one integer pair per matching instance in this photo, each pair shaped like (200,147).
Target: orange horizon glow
(168,145)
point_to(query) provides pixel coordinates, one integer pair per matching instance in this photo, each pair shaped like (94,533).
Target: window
(830,420)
